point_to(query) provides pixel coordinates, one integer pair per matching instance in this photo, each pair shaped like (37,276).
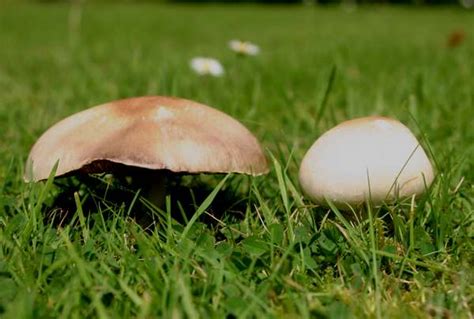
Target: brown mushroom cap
(147,132)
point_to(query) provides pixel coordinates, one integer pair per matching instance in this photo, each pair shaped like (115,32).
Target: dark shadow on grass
(107,195)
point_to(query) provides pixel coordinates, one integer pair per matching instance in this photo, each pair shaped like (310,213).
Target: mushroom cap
(376,151)
(150,132)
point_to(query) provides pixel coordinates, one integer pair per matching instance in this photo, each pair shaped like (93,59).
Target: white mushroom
(371,157)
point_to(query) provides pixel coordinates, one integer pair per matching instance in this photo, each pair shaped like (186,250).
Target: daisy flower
(244,47)
(204,66)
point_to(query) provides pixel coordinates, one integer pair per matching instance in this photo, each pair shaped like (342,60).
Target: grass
(234,246)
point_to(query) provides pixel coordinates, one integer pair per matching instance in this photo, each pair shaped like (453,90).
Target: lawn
(237,246)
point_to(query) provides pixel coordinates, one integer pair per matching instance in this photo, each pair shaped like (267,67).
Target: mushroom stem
(154,183)
(156,192)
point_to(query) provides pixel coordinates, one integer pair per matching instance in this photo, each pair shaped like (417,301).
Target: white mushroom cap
(147,132)
(376,151)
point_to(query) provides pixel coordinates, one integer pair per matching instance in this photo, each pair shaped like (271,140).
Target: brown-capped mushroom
(153,132)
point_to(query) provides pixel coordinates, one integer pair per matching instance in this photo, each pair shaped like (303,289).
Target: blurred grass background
(388,60)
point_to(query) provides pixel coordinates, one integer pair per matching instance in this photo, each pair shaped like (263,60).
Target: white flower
(242,47)
(204,66)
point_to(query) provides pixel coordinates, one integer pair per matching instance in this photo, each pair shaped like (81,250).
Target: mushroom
(370,158)
(154,133)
